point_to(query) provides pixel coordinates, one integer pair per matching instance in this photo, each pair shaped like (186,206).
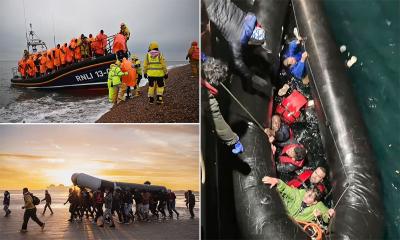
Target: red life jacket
(195,53)
(283,158)
(299,180)
(290,107)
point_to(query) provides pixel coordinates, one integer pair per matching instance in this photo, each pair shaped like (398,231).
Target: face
(276,123)
(317,176)
(309,197)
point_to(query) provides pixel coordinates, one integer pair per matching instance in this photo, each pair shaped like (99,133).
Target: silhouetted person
(6,203)
(30,210)
(191,202)
(171,204)
(47,197)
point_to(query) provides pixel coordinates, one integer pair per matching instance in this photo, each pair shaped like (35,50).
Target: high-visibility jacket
(119,43)
(84,46)
(50,60)
(69,57)
(138,67)
(57,57)
(21,67)
(130,79)
(77,50)
(154,64)
(63,53)
(43,61)
(114,75)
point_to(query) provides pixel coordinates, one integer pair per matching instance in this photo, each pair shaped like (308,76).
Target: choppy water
(32,106)
(370,29)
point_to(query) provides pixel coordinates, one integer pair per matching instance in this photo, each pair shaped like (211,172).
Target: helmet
(134,57)
(194,43)
(117,63)
(122,24)
(153,45)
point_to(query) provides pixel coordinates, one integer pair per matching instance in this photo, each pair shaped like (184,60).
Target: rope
(318,233)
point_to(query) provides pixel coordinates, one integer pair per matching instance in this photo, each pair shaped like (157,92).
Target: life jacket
(130,79)
(284,159)
(119,43)
(114,75)
(154,66)
(43,61)
(102,38)
(195,53)
(77,50)
(63,53)
(21,67)
(289,108)
(69,56)
(49,62)
(31,67)
(300,180)
(57,57)
(138,67)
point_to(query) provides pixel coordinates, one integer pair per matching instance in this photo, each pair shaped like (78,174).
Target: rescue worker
(309,179)
(49,62)
(63,53)
(114,81)
(302,205)
(22,67)
(119,46)
(125,31)
(155,69)
(137,66)
(43,61)
(84,46)
(129,80)
(213,72)
(57,57)
(291,157)
(194,55)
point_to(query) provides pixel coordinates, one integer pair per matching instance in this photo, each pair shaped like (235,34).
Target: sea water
(370,31)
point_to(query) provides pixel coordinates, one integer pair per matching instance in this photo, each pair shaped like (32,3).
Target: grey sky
(173,23)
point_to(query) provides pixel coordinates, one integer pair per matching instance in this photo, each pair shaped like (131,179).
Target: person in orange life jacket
(214,71)
(49,62)
(101,40)
(30,211)
(291,157)
(77,50)
(22,67)
(57,57)
(31,67)
(37,64)
(43,60)
(63,53)
(242,32)
(309,179)
(194,55)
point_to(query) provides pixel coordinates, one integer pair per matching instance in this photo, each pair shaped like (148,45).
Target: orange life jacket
(57,57)
(130,79)
(22,66)
(43,61)
(69,57)
(290,107)
(50,60)
(63,53)
(31,67)
(195,53)
(77,51)
(300,180)
(119,43)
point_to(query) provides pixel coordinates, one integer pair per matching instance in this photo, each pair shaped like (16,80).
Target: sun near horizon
(37,156)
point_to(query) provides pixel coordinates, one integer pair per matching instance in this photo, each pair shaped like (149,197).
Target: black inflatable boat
(235,202)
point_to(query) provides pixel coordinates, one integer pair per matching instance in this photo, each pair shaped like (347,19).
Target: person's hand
(331,212)
(316,213)
(271,139)
(238,148)
(273,148)
(268,131)
(270,180)
(304,56)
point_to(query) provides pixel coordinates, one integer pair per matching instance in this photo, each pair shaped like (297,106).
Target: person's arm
(323,211)
(280,186)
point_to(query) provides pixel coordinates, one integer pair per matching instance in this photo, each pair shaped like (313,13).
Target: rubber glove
(237,28)
(238,148)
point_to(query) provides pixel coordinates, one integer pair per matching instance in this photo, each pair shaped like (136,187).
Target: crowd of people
(103,205)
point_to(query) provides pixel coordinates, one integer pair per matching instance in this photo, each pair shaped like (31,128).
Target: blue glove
(238,148)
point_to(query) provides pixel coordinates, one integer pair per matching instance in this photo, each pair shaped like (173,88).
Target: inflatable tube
(87,181)
(359,214)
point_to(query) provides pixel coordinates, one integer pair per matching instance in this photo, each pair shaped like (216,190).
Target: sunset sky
(36,156)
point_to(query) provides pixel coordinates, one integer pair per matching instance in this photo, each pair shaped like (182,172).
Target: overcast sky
(36,156)
(173,23)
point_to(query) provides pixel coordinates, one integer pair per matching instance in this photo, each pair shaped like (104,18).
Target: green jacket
(293,197)
(114,75)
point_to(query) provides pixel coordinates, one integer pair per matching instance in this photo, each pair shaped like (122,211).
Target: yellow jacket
(154,64)
(28,201)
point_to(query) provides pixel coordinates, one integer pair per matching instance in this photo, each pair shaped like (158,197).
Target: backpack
(35,200)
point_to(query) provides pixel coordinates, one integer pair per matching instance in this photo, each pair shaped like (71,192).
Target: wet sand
(57,227)
(181,103)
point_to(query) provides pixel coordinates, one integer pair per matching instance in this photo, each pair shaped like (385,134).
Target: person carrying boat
(309,179)
(194,56)
(137,66)
(114,82)
(213,72)
(302,205)
(242,32)
(292,157)
(155,69)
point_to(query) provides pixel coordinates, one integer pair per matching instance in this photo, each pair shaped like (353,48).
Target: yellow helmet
(153,45)
(117,63)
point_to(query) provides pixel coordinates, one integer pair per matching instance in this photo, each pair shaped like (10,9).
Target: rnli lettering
(90,76)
